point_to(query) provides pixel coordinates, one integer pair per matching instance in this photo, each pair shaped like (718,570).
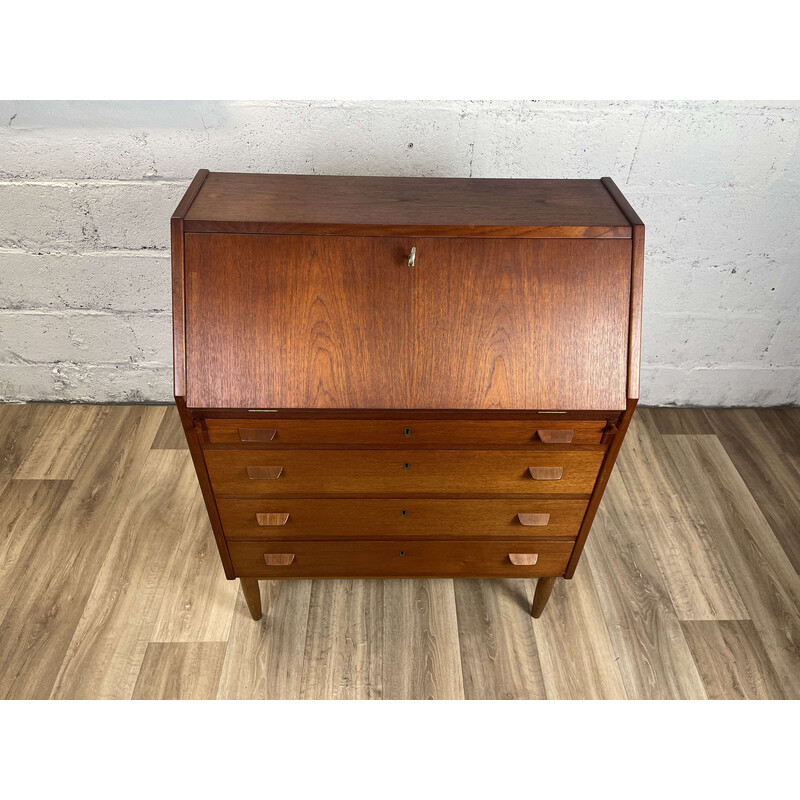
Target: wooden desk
(404,377)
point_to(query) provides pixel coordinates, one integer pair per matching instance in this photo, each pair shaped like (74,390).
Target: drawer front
(404,433)
(412,518)
(402,472)
(399,559)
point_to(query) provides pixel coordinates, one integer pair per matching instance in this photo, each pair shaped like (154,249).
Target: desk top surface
(331,204)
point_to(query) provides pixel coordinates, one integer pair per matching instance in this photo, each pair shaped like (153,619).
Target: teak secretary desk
(404,377)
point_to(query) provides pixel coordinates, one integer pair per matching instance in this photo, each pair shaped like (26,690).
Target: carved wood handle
(257,434)
(535,520)
(523,559)
(276,518)
(546,473)
(555,436)
(278,559)
(264,473)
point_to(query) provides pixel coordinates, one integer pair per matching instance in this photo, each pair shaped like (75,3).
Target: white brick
(96,338)
(122,281)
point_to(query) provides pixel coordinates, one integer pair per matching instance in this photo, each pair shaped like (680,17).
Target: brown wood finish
(397,559)
(448,364)
(252,596)
(377,206)
(544,586)
(325,518)
(402,472)
(365,331)
(279,432)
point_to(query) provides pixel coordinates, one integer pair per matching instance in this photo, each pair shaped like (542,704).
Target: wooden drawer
(404,433)
(399,558)
(411,518)
(402,472)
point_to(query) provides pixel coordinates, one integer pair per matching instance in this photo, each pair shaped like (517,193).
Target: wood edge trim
(637,275)
(622,203)
(178,283)
(196,452)
(426,231)
(190,194)
(597,494)
(635,331)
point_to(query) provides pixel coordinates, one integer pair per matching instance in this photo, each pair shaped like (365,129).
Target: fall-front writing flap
(406,323)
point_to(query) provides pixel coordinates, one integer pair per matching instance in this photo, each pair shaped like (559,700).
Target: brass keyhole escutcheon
(403,513)
(408,431)
(402,552)
(405,466)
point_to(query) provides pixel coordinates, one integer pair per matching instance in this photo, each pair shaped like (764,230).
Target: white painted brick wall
(86,191)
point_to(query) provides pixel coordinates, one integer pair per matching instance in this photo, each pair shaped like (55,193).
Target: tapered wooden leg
(543,588)
(253,596)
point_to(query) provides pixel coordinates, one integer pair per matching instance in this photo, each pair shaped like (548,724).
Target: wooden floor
(111,587)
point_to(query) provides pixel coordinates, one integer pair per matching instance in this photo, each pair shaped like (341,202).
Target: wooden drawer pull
(264,473)
(523,559)
(276,518)
(546,473)
(257,434)
(278,559)
(555,436)
(533,520)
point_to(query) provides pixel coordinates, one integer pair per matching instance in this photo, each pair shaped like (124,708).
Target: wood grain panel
(180,671)
(19,426)
(325,204)
(654,660)
(499,659)
(62,444)
(732,661)
(27,510)
(402,472)
(764,576)
(170,435)
(589,671)
(343,657)
(421,656)
(110,641)
(404,432)
(264,660)
(61,569)
(343,322)
(410,518)
(400,558)
(687,552)
(198,604)
(772,480)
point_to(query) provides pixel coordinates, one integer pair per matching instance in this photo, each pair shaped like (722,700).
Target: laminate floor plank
(180,671)
(771,479)
(170,435)
(654,659)
(63,443)
(732,661)
(681,420)
(769,584)
(575,650)
(110,641)
(783,425)
(62,567)
(198,602)
(264,659)
(499,658)
(20,424)
(421,656)
(688,555)
(27,510)
(344,641)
